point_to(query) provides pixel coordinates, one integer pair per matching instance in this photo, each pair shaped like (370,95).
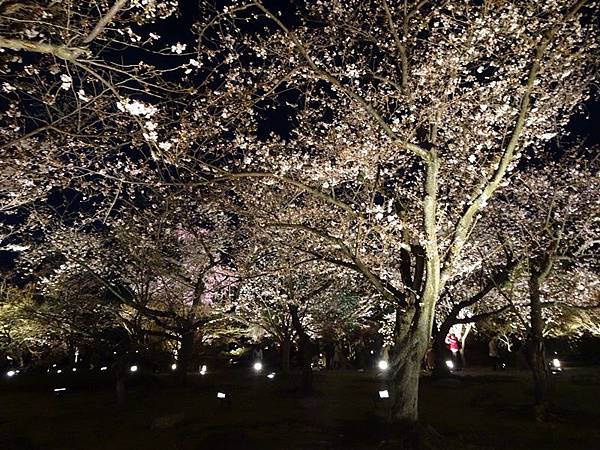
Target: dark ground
(476,410)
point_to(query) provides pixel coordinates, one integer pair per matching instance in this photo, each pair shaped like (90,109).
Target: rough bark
(411,339)
(536,352)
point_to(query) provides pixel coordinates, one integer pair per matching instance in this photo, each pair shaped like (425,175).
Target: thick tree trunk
(405,386)
(541,376)
(184,356)
(536,352)
(412,337)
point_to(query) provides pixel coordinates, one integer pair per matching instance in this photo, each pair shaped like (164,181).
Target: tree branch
(105,20)
(465,223)
(415,149)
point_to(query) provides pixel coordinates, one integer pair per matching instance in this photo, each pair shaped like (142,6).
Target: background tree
(549,216)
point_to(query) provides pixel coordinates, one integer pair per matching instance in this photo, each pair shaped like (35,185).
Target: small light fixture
(450,364)
(133,368)
(221,395)
(384,394)
(11,373)
(271,375)
(60,389)
(103,368)
(383,365)
(74,369)
(173,366)
(203,370)
(556,363)
(257,366)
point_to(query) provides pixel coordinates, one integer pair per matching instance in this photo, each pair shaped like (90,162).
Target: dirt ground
(473,410)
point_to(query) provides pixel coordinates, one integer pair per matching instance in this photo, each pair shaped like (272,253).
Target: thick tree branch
(59,51)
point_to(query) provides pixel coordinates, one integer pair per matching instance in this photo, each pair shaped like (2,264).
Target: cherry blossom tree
(283,301)
(42,328)
(407,117)
(288,296)
(170,268)
(550,217)
(368,135)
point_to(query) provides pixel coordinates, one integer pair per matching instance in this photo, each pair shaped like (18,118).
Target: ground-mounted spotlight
(173,366)
(133,369)
(257,366)
(11,373)
(271,375)
(383,365)
(450,364)
(384,394)
(203,370)
(556,363)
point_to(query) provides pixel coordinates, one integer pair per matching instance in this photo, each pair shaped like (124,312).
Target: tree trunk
(286,346)
(305,349)
(411,336)
(405,387)
(463,344)
(536,352)
(120,373)
(440,352)
(184,355)
(306,360)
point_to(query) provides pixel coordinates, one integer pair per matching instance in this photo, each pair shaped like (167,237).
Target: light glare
(450,364)
(383,365)
(384,394)
(133,368)
(258,366)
